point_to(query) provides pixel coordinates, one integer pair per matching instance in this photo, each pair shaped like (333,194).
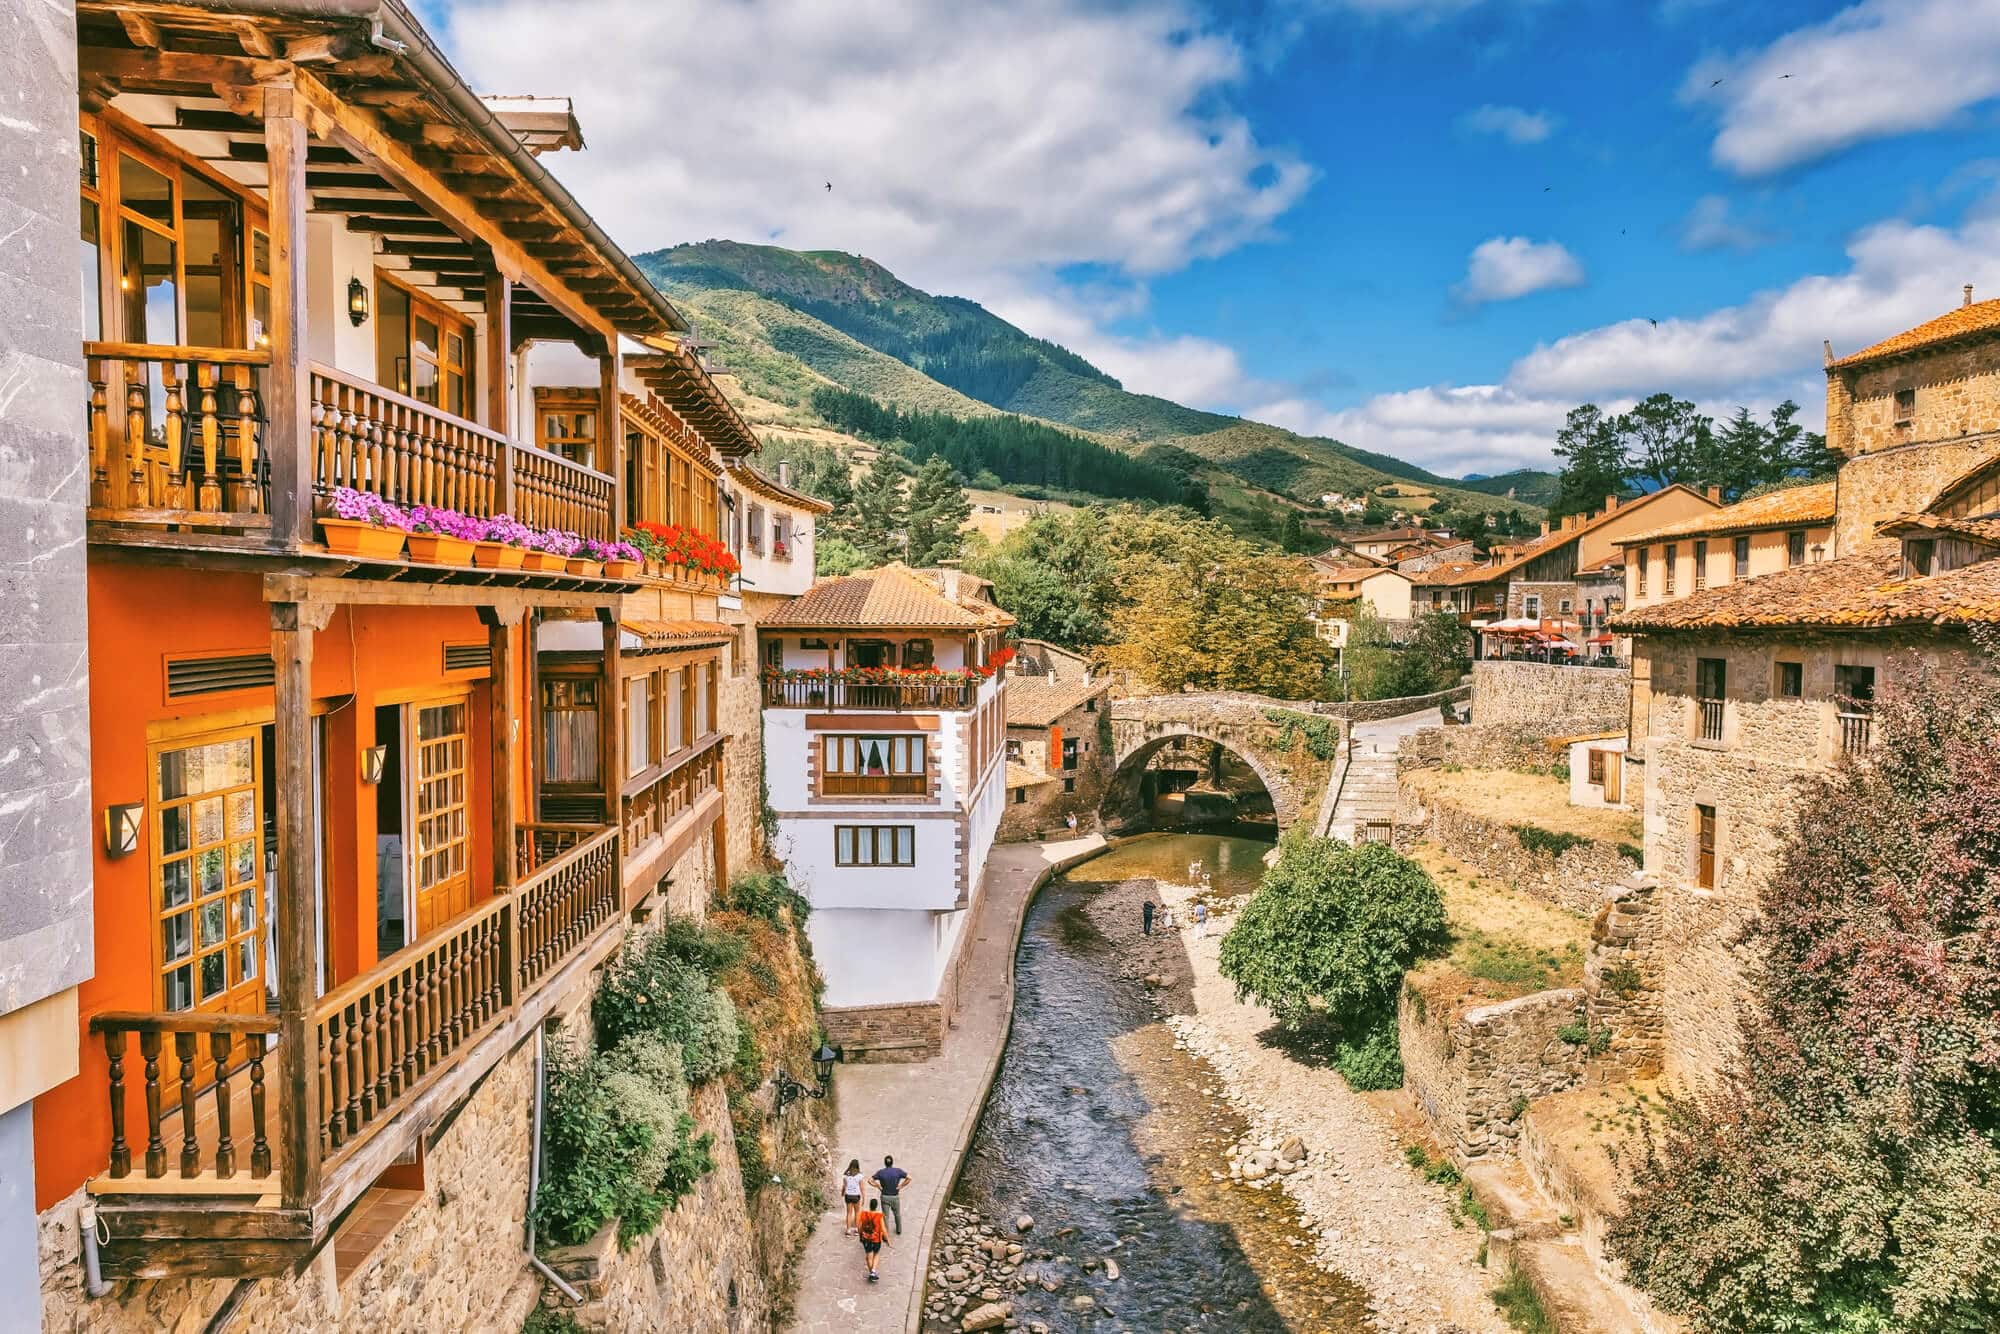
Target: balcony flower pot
(622,569)
(545,561)
(438,549)
(583,565)
(497,556)
(357,537)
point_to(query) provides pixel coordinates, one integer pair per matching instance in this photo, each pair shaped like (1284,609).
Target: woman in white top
(850,1191)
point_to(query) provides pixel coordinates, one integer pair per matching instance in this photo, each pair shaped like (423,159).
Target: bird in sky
(1654,323)
(829,187)
(1547,188)
(1784,76)
(1716,84)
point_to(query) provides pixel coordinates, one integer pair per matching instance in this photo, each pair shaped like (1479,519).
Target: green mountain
(791,323)
(1530,485)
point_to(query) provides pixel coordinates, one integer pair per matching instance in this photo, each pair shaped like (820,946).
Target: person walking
(892,1179)
(1201,919)
(850,1191)
(1146,918)
(874,1236)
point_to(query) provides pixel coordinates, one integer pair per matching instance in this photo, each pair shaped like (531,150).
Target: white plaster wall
(932,883)
(1583,792)
(949,654)
(333,255)
(765,573)
(787,741)
(879,958)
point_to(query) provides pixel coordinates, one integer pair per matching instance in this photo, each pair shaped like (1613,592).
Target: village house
(1058,759)
(1744,687)
(885,713)
(1384,543)
(1539,586)
(368,817)
(1759,536)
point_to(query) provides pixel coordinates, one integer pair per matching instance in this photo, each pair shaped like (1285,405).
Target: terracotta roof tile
(894,597)
(1454,573)
(1466,573)
(1982,530)
(1035,701)
(1979,317)
(1789,508)
(677,634)
(1020,775)
(753,480)
(1856,592)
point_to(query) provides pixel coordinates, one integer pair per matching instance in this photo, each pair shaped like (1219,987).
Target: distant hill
(789,323)
(1530,485)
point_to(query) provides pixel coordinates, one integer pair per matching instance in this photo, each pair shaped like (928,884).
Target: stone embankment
(1571,871)
(977,1267)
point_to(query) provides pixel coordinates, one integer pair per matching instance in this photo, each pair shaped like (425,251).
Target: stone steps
(1367,793)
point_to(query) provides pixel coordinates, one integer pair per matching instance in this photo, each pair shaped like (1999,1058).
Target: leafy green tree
(936,514)
(1293,535)
(1374,514)
(1326,939)
(834,554)
(881,513)
(1844,1175)
(1594,464)
(1667,441)
(1438,654)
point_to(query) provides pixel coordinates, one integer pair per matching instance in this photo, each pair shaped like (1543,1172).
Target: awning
(659,636)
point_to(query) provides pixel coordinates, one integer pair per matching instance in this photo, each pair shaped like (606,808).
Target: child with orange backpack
(874,1236)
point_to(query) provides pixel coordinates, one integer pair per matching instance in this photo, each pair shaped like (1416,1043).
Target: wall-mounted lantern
(357,301)
(121,828)
(374,761)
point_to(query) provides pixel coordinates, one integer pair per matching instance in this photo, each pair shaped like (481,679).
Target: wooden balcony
(919,696)
(178,439)
(665,810)
(393,1050)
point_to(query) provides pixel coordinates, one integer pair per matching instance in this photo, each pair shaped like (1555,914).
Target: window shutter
(212,676)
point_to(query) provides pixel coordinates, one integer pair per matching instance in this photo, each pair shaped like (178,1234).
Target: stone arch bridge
(1290,746)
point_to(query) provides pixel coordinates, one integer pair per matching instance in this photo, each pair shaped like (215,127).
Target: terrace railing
(226,1045)
(1711,719)
(897,697)
(177,433)
(652,810)
(1856,731)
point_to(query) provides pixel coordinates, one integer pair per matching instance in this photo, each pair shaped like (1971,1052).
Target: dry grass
(1504,943)
(1597,1131)
(1511,797)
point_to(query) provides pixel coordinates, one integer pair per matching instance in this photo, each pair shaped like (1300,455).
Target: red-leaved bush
(1845,1176)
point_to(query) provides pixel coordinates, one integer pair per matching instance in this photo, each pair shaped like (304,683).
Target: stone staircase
(1367,796)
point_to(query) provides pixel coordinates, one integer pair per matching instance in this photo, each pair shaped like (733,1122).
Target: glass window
(874,845)
(1791,680)
(211,229)
(260,290)
(638,724)
(392,337)
(1742,558)
(208,801)
(148,284)
(441,847)
(93,300)
(703,684)
(569,730)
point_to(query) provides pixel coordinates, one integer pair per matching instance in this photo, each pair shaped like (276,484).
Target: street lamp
(791,1090)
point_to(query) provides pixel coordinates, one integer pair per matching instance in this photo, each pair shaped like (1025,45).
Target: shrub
(1370,1059)
(1322,734)
(1621,978)
(1575,1033)
(1521,1304)
(767,894)
(653,987)
(1555,843)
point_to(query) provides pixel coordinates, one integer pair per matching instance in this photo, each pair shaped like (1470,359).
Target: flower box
(437,549)
(621,569)
(583,565)
(355,537)
(497,556)
(545,561)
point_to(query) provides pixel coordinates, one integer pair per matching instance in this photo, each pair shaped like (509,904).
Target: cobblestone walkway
(923,1113)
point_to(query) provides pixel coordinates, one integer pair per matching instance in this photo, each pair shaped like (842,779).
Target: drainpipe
(93,1275)
(535,1173)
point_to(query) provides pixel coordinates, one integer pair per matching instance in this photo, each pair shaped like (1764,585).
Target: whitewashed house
(884,728)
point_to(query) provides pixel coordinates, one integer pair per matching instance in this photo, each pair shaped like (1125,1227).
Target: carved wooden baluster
(100,435)
(336,1071)
(249,444)
(219,1044)
(135,435)
(350,1041)
(385,1048)
(433,1029)
(156,1152)
(184,1047)
(114,1052)
(326,1099)
(209,498)
(173,491)
(396,1061)
(364,1056)
(260,1147)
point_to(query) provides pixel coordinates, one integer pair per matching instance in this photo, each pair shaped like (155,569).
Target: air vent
(468,657)
(558,808)
(212,676)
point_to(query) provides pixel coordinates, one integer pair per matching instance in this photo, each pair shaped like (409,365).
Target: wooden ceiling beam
(393,206)
(141,30)
(254,40)
(318,154)
(425,226)
(175,67)
(219,122)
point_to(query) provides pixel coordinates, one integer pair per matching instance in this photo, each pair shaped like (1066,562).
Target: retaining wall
(1582,879)
(1551,701)
(1474,1070)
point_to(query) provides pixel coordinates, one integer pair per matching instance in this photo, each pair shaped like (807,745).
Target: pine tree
(1667,441)
(1743,452)
(1293,536)
(1594,464)
(881,515)
(937,513)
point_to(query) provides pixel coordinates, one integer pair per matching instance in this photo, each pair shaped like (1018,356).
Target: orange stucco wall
(139,616)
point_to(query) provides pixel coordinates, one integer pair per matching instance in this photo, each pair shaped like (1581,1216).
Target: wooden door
(208,878)
(1614,777)
(1705,846)
(440,785)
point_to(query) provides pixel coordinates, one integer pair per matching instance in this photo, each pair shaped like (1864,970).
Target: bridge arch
(1274,738)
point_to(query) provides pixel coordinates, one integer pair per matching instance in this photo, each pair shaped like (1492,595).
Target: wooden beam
(503,721)
(287,396)
(611,429)
(179,67)
(316,153)
(324,48)
(499,362)
(424,226)
(142,30)
(297,909)
(365,592)
(221,122)
(611,734)
(394,206)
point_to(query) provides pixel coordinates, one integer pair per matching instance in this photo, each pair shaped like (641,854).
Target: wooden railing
(652,809)
(918,696)
(1711,719)
(566,902)
(1855,732)
(382,1032)
(552,492)
(402,449)
(178,430)
(189,1039)
(536,844)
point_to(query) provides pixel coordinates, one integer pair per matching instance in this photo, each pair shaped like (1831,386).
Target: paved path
(923,1113)
(1368,792)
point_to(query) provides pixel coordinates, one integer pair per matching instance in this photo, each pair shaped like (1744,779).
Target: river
(1110,1137)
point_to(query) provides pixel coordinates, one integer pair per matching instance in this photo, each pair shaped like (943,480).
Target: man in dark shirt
(892,1179)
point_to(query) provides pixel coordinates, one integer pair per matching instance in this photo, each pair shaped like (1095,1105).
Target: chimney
(1826,351)
(1715,494)
(950,583)
(1545,527)
(784,472)
(1968,294)
(1052,676)
(1610,504)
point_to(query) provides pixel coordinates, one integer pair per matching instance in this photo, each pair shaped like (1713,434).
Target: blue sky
(1425,226)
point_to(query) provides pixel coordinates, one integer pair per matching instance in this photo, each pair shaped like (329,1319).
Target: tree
(881,514)
(936,514)
(1594,464)
(1326,939)
(1666,441)
(1056,574)
(1744,454)
(1845,1174)
(1237,621)
(834,554)
(1438,653)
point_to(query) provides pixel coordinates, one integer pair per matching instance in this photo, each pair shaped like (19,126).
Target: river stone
(1083,1301)
(1255,1171)
(1111,1269)
(989,1294)
(955,1274)
(1024,1223)
(991,1316)
(1292,1150)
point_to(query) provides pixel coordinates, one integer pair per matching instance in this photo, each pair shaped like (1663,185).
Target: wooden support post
(721,830)
(287,393)
(292,630)
(611,431)
(504,687)
(611,721)
(499,358)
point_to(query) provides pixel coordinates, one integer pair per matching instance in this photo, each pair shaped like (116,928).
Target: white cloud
(960,140)
(1514,124)
(1507,267)
(1710,225)
(1876,69)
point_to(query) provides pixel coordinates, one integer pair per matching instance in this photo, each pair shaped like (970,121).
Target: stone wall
(1475,746)
(1474,1070)
(1621,983)
(1043,812)
(1374,710)
(1244,724)
(1552,594)
(739,711)
(1548,700)
(697,1271)
(912,1032)
(1582,879)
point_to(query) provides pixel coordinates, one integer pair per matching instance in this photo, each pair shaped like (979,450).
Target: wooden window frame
(233,932)
(1795,548)
(447,321)
(1707,837)
(1796,672)
(1740,558)
(1904,408)
(875,836)
(1594,766)
(416,780)
(838,781)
